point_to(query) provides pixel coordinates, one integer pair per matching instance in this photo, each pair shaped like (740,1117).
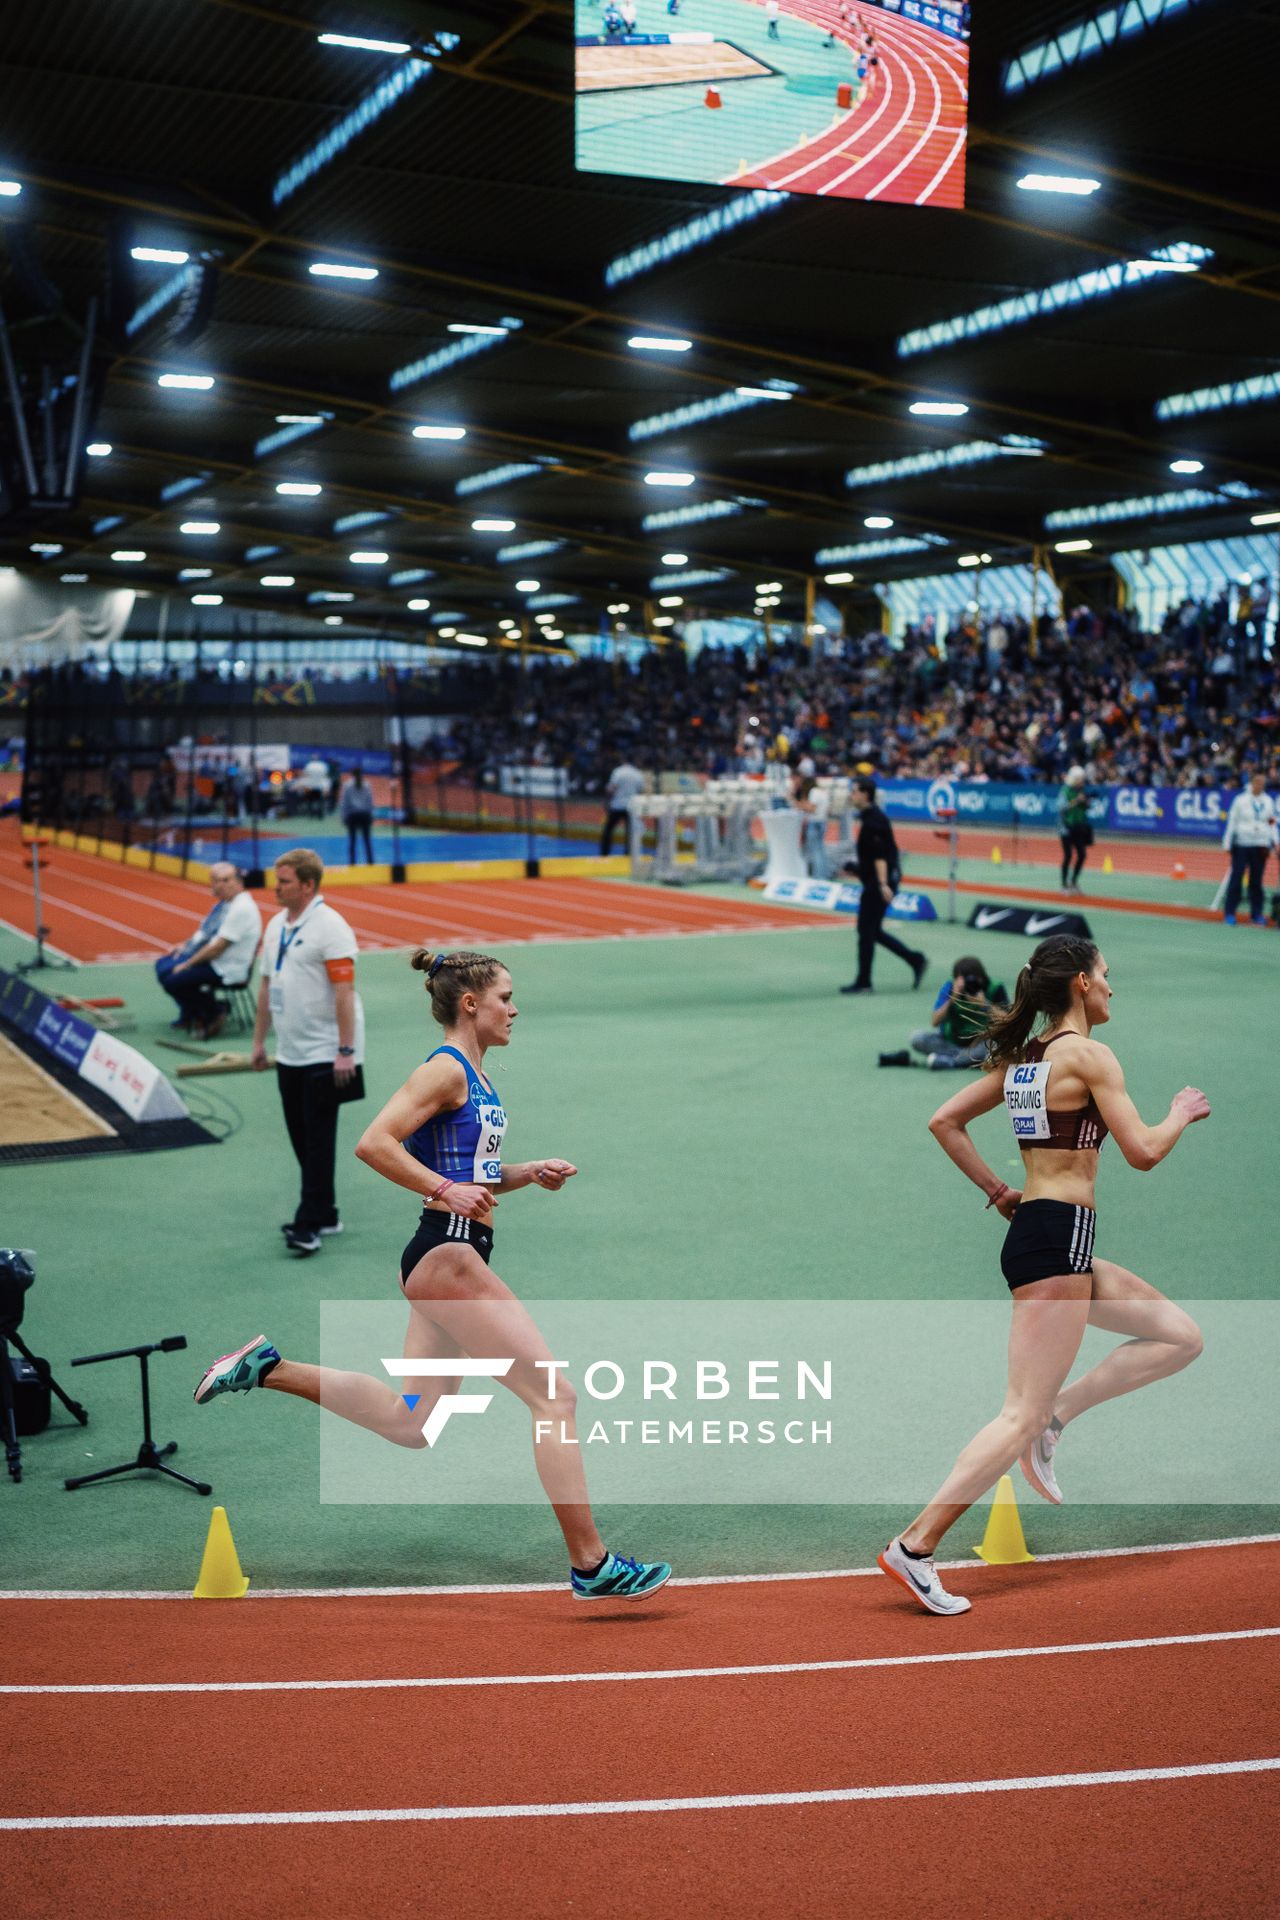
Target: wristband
(997,1196)
(440,1189)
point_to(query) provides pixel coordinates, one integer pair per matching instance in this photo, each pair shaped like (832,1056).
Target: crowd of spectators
(1196,704)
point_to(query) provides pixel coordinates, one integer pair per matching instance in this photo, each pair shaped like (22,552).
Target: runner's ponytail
(1043,992)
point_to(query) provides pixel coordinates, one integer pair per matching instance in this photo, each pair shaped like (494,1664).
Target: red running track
(99,911)
(905,141)
(1096,1738)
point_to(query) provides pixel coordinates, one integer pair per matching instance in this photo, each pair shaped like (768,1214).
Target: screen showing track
(855,99)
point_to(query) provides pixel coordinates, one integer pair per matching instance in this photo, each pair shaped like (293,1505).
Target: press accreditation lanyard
(289,935)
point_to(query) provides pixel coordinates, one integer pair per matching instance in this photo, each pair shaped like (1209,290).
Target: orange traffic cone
(1179,871)
(712,98)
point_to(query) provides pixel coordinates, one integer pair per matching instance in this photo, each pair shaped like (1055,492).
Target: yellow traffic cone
(997,858)
(220,1575)
(1003,1544)
(1108,865)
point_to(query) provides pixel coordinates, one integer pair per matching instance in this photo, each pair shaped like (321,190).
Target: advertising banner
(1187,812)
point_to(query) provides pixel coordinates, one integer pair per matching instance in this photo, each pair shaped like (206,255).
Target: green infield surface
(737,1142)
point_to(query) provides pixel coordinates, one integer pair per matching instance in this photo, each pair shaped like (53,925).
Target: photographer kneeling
(956,1035)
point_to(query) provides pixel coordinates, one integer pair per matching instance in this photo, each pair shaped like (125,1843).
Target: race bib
(1025,1094)
(486,1168)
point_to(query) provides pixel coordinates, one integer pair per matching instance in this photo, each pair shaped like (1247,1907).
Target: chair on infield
(238,999)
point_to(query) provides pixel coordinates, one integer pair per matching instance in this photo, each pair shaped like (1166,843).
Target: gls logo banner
(448,1403)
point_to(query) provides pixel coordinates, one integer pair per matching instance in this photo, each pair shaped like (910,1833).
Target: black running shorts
(1046,1238)
(445,1230)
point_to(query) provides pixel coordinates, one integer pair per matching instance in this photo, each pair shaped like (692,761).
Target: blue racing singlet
(464,1143)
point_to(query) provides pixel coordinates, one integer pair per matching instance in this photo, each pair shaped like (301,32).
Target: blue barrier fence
(1192,813)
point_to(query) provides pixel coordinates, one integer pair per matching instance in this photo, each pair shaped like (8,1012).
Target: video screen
(857,99)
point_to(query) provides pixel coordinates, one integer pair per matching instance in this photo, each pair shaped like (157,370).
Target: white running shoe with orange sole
(920,1578)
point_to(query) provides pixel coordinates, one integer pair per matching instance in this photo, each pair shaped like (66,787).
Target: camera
(974,985)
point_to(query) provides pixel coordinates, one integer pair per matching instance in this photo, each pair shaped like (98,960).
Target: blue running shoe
(620,1579)
(237,1372)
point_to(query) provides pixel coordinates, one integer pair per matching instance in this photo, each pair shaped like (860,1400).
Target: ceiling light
(365,46)
(675,559)
(493,526)
(623,606)
(304,489)
(128,554)
(10,189)
(510,626)
(1155,265)
(1072,546)
(671,600)
(942,408)
(369,558)
(663,620)
(333,619)
(439,433)
(1186,466)
(163,256)
(336,270)
(471,639)
(206,599)
(838,579)
(276,580)
(418,606)
(769,586)
(195,573)
(552,633)
(661,477)
(1057,183)
(200,526)
(190,382)
(1264,519)
(762,393)
(98,449)
(473,326)
(969,560)
(544,619)
(340,597)
(45,546)
(658,343)
(446,633)
(73,579)
(301,419)
(528,586)
(878,522)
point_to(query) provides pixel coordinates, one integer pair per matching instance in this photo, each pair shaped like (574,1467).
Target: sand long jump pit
(679,60)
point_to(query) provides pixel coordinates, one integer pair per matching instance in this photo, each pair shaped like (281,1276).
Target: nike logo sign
(1042,924)
(986,918)
(921,1586)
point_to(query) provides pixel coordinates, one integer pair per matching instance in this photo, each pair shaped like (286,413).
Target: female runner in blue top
(1064,1092)
(441,1137)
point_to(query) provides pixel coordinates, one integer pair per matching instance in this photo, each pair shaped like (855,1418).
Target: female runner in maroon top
(1064,1093)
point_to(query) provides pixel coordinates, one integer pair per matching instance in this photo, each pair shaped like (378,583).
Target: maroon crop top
(1076,1128)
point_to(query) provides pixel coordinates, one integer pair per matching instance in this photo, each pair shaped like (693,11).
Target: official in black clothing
(879,870)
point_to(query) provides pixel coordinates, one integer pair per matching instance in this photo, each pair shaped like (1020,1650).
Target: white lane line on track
(944,169)
(701,1803)
(831,186)
(765,1671)
(103,920)
(104,878)
(888,179)
(558,1586)
(29,940)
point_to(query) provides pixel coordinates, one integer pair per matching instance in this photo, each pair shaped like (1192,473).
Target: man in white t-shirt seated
(218,954)
(307,992)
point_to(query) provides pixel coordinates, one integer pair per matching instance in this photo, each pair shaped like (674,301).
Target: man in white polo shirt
(308,994)
(1250,835)
(218,954)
